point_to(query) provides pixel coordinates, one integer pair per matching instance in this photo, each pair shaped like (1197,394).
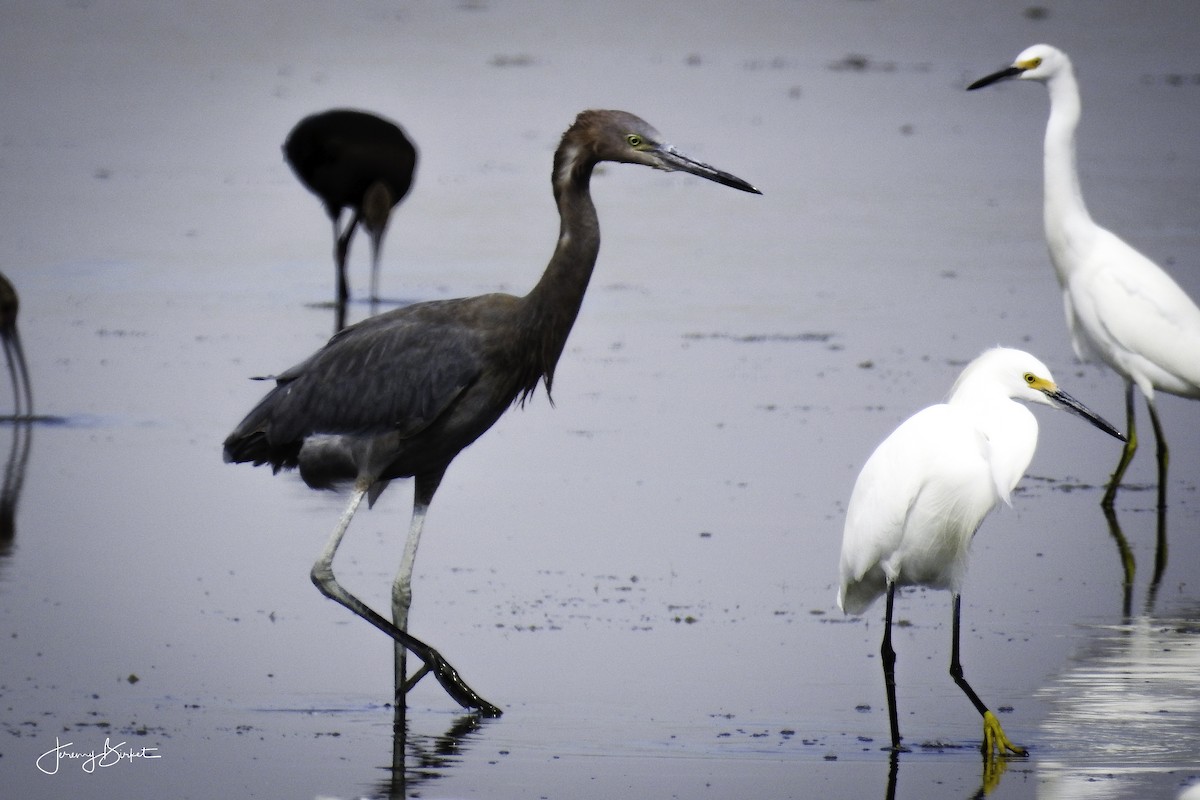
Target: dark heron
(400,394)
(355,160)
(13,354)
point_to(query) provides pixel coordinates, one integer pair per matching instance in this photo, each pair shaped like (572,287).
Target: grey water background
(643,575)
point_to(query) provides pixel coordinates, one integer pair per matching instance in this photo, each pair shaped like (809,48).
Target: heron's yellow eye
(1030,63)
(1030,378)
(634,140)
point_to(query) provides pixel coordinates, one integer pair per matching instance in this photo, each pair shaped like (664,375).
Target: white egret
(1122,309)
(925,490)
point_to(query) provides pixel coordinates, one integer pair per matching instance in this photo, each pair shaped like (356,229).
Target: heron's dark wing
(394,372)
(398,373)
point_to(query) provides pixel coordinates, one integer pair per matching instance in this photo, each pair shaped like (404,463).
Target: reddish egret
(399,395)
(1122,309)
(13,354)
(927,488)
(355,160)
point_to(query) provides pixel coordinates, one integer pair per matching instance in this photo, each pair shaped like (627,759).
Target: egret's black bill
(995,77)
(672,159)
(1075,407)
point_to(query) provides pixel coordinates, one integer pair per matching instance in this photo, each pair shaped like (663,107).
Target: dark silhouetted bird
(355,160)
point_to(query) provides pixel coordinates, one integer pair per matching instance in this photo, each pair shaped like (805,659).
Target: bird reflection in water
(421,759)
(1129,561)
(993,771)
(21,420)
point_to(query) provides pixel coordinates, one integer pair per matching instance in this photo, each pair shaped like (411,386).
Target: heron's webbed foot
(454,685)
(995,742)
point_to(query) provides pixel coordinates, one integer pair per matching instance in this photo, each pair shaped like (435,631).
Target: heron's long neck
(1068,224)
(553,304)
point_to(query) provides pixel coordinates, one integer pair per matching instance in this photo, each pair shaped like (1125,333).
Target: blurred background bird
(358,161)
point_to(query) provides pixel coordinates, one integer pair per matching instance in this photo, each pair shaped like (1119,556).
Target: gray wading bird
(400,394)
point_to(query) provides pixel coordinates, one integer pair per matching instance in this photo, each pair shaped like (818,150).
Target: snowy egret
(925,490)
(1122,309)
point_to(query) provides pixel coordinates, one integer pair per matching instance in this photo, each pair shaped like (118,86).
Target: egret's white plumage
(1121,308)
(925,490)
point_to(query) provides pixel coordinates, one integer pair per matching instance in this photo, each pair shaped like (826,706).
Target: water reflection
(1129,563)
(993,769)
(14,481)
(420,759)
(1124,717)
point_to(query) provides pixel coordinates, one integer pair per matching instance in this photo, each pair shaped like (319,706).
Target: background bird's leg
(23,370)
(11,358)
(377,209)
(994,739)
(341,253)
(889,668)
(1163,454)
(1130,448)
(322,576)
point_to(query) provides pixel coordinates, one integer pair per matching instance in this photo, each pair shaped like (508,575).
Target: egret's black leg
(994,740)
(889,669)
(1161,451)
(323,577)
(1130,448)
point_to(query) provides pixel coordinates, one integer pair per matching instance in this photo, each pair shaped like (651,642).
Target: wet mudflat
(642,576)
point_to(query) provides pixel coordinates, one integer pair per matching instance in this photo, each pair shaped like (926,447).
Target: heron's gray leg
(402,599)
(322,576)
(423,491)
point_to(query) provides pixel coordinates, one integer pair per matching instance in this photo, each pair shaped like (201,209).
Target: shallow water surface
(643,574)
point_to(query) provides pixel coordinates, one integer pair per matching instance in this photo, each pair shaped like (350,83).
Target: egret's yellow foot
(994,740)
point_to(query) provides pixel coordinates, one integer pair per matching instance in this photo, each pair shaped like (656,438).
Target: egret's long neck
(553,304)
(1010,428)
(1068,224)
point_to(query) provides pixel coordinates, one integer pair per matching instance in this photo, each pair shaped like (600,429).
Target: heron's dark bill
(995,77)
(674,160)
(1075,407)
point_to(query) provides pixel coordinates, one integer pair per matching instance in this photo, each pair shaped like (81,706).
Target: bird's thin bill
(673,159)
(988,80)
(1075,407)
